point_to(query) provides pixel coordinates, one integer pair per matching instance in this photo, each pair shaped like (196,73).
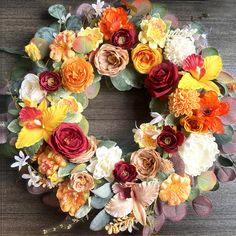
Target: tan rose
(86,156)
(111,60)
(147,163)
(81,181)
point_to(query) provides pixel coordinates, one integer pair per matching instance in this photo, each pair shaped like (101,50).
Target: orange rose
(145,58)
(112,20)
(193,124)
(77,74)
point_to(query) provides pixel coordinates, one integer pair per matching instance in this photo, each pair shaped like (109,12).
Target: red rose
(162,79)
(124,38)
(49,81)
(170,140)
(69,140)
(124,172)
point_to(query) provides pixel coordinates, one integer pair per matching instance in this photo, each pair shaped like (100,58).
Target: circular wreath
(182,152)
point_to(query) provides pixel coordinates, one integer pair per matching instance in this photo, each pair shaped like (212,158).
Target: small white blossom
(157,118)
(98,7)
(21,161)
(33,179)
(64,19)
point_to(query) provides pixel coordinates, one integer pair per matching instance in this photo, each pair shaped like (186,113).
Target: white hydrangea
(179,45)
(198,152)
(103,165)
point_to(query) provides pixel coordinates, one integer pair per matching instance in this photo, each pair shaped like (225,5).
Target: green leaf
(195,192)
(84,125)
(39,67)
(14,126)
(46,33)
(32,150)
(21,68)
(81,98)
(104,191)
(74,23)
(80,168)
(226,137)
(56,26)
(98,202)
(216,187)
(159,9)
(73,117)
(157,105)
(15,51)
(100,221)
(92,91)
(107,143)
(65,171)
(198,26)
(225,161)
(119,83)
(83,211)
(171,120)
(13,112)
(206,52)
(223,88)
(206,181)
(57,65)
(57,11)
(7,150)
(97,77)
(83,44)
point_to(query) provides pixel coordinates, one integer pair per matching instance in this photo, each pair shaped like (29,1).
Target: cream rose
(111,60)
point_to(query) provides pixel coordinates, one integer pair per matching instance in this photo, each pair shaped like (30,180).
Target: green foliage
(84,125)
(7,150)
(32,150)
(195,192)
(21,68)
(226,137)
(81,98)
(46,33)
(100,221)
(206,52)
(119,82)
(156,105)
(104,191)
(65,171)
(171,120)
(74,23)
(14,126)
(159,9)
(93,90)
(107,143)
(206,181)
(98,202)
(80,168)
(57,11)
(15,51)
(83,211)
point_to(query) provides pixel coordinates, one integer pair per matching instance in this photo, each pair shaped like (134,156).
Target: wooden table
(111,114)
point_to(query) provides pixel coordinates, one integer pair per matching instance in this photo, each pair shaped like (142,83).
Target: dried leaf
(139,213)
(206,181)
(175,213)
(202,205)
(179,165)
(159,222)
(226,174)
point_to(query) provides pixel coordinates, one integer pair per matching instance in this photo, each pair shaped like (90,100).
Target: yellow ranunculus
(33,52)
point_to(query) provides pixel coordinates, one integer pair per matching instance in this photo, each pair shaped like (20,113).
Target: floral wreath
(184,151)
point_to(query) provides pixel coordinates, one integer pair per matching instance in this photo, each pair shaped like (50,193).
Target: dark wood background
(111,114)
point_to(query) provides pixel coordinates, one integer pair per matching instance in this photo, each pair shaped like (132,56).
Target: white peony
(198,152)
(103,165)
(30,89)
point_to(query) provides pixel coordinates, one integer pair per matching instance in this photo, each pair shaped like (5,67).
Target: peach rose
(111,60)
(81,181)
(77,74)
(147,163)
(145,58)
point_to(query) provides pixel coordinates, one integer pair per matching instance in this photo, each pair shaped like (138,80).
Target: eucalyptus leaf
(206,52)
(15,51)
(79,168)
(21,68)
(107,143)
(13,112)
(100,221)
(46,33)
(32,150)
(74,23)
(98,202)
(225,161)
(226,137)
(14,126)
(65,171)
(81,98)
(195,192)
(84,125)
(57,11)
(171,120)
(73,117)
(104,191)
(120,84)
(7,150)
(93,90)
(156,105)
(39,67)
(83,211)
(159,9)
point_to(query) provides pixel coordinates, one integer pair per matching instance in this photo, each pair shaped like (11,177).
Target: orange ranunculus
(77,74)
(193,124)
(112,20)
(145,58)
(210,110)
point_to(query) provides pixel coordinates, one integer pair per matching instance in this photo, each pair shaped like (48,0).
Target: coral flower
(61,47)
(175,189)
(39,123)
(112,20)
(210,110)
(183,102)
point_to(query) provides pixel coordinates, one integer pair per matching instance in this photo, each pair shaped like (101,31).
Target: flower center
(51,82)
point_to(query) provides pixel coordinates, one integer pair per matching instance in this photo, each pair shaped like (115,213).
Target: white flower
(21,160)
(64,19)
(198,152)
(33,179)
(103,165)
(156,118)
(98,7)
(179,45)
(30,89)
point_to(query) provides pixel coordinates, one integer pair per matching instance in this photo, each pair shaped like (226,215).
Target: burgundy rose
(170,140)
(69,140)
(124,38)
(162,79)
(49,81)
(124,172)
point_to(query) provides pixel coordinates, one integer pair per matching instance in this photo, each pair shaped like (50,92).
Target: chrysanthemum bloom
(183,102)
(175,189)
(61,47)
(70,200)
(33,52)
(112,20)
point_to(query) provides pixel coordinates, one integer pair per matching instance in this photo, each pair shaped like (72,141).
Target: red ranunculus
(69,140)
(170,140)
(49,81)
(124,172)
(124,38)
(162,79)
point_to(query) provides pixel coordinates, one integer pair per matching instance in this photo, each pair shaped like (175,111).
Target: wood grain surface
(111,114)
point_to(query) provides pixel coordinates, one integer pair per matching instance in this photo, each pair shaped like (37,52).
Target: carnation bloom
(175,189)
(154,32)
(33,52)
(145,58)
(61,47)
(112,20)
(198,152)
(179,45)
(183,102)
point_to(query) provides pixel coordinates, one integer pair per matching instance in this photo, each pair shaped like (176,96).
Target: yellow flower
(39,123)
(145,58)
(154,31)
(33,52)
(175,189)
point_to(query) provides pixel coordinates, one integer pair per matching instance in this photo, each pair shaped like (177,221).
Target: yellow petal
(28,137)
(209,85)
(43,105)
(188,82)
(213,66)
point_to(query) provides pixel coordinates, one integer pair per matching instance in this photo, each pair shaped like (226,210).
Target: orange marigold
(183,102)
(61,47)
(112,20)
(175,189)
(70,200)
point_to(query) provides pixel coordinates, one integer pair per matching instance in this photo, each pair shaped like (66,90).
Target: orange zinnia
(210,110)
(112,20)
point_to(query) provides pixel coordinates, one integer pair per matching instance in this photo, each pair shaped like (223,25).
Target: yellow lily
(201,76)
(39,123)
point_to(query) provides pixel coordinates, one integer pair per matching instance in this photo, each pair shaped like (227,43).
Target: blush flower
(81,181)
